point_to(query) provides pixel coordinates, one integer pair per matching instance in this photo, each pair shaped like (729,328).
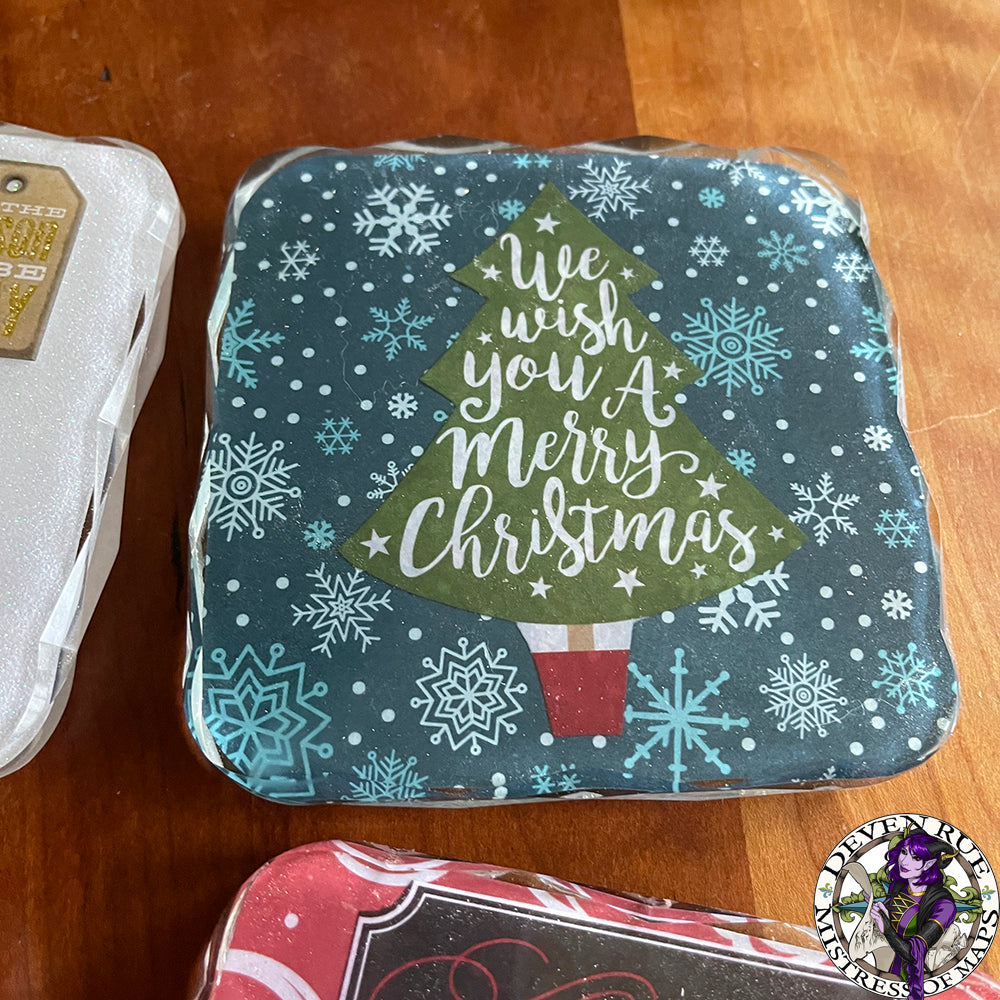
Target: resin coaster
(359,922)
(571,472)
(88,233)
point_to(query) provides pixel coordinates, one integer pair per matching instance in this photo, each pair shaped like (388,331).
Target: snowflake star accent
(318,535)
(397,328)
(852,267)
(681,723)
(341,609)
(337,437)
(402,405)
(711,197)
(737,170)
(824,511)
(897,604)
(803,695)
(906,678)
(782,251)
(296,261)
(235,338)
(415,215)
(732,346)
(545,781)
(386,482)
(827,213)
(399,161)
(741,460)
(469,696)
(262,719)
(760,614)
(708,250)
(877,438)
(609,189)
(895,528)
(387,779)
(248,484)
(510,209)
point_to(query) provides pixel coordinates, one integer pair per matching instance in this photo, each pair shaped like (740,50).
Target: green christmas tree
(568,491)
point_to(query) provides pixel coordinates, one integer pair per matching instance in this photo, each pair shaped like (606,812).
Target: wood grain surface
(119,848)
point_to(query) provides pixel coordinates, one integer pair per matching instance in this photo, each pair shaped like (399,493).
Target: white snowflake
(387,779)
(877,438)
(679,722)
(386,482)
(248,484)
(897,604)
(803,695)
(408,210)
(545,781)
(738,170)
(236,338)
(337,436)
(732,346)
(296,261)
(896,527)
(708,250)
(402,405)
(318,535)
(821,498)
(341,609)
(609,189)
(852,267)
(906,678)
(827,213)
(759,614)
(397,328)
(398,161)
(469,696)
(782,251)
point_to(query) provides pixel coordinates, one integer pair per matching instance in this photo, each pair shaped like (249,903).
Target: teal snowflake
(906,678)
(782,251)
(545,781)
(510,209)
(877,348)
(264,722)
(397,328)
(741,460)
(318,535)
(679,722)
(399,161)
(337,436)
(237,337)
(711,197)
(388,779)
(524,160)
(896,528)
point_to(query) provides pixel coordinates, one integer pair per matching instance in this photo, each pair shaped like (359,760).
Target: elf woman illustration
(911,930)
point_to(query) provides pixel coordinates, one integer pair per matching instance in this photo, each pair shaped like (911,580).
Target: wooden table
(119,848)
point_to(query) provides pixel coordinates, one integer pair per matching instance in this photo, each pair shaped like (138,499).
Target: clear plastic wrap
(70,409)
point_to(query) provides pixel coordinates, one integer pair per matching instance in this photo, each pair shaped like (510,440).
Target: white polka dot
(728,415)
(787,638)
(408,278)
(748,743)
(440,171)
(878,722)
(691,272)
(788,458)
(857,749)
(366,404)
(232,586)
(340,165)
(417,450)
(327,195)
(500,792)
(268,203)
(857,655)
(855,569)
(834,329)
(864,621)
(368,287)
(836,450)
(818,244)
(340,321)
(680,398)
(491,178)
(811,302)
(306,217)
(821,355)
(742,279)
(751,220)
(657,285)
(451,301)
(306,178)
(920,566)
(329,227)
(773,286)
(388,438)
(359,687)
(826,592)
(654,317)
(415,634)
(782,424)
(870,704)
(822,283)
(828,623)
(325,390)
(638,251)
(673,222)
(281,583)
(913,743)
(815,388)
(292,418)
(944,725)
(499,779)
(343,501)
(677,185)
(471,165)
(885,487)
(239,401)
(546,739)
(667,617)
(260,413)
(859,376)
(242,620)
(448,268)
(784,209)
(600,742)
(461,192)
(308,352)
(240,245)
(354,739)
(291,920)
(351,265)
(277,360)
(295,384)
(329,292)
(765,191)
(388,715)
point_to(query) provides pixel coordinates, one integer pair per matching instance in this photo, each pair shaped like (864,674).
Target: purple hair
(920,845)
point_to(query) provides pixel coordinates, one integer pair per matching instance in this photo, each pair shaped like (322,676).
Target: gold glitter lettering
(6,223)
(32,239)
(16,303)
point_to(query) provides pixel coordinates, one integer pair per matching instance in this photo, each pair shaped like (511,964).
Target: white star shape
(376,544)
(699,570)
(627,581)
(626,273)
(673,370)
(546,224)
(709,487)
(485,338)
(491,272)
(777,533)
(539,587)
